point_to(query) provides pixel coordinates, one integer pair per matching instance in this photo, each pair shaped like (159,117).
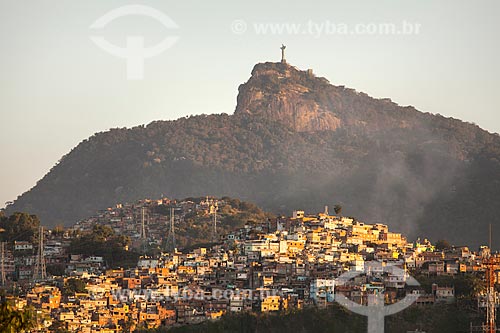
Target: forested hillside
(294,142)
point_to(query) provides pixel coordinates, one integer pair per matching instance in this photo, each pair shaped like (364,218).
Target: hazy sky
(57,87)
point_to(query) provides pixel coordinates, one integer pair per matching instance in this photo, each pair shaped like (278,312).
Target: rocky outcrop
(290,107)
(280,92)
(304,102)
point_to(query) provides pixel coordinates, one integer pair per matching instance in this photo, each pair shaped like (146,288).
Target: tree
(102,241)
(15,321)
(58,327)
(101,232)
(127,324)
(56,269)
(337,209)
(19,226)
(442,244)
(73,286)
(162,210)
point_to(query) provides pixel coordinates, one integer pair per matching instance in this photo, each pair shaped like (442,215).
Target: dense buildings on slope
(274,265)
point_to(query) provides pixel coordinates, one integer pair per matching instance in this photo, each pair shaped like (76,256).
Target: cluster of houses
(20,257)
(128,219)
(289,263)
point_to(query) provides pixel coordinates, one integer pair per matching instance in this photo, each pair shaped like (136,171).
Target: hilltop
(295,141)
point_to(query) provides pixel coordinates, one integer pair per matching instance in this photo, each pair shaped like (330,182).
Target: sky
(58,86)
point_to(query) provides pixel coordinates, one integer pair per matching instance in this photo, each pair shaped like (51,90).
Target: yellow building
(294,246)
(270,303)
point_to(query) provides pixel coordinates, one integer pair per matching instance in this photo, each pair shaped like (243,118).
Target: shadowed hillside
(294,142)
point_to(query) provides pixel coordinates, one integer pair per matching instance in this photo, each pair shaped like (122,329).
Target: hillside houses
(268,266)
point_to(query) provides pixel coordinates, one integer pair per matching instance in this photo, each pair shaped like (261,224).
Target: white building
(322,289)
(21,246)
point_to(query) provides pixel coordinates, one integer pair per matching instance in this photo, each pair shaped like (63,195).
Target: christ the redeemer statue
(283,47)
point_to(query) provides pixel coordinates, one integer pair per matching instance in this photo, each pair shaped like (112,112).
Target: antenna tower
(491,301)
(40,269)
(171,231)
(3,263)
(214,232)
(143,223)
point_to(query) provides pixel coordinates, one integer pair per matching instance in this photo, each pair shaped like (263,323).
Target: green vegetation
(466,286)
(442,244)
(440,318)
(15,321)
(196,229)
(59,327)
(19,227)
(73,286)
(437,318)
(56,269)
(308,320)
(102,241)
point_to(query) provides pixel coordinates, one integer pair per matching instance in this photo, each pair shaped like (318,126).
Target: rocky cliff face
(305,103)
(280,92)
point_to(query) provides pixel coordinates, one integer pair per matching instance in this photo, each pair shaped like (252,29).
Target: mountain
(294,142)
